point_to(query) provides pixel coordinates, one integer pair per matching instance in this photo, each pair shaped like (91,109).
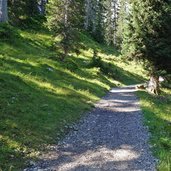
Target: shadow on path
(111,137)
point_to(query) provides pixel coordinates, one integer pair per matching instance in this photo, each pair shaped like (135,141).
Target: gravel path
(110,138)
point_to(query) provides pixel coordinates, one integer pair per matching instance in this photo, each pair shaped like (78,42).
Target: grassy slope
(40,95)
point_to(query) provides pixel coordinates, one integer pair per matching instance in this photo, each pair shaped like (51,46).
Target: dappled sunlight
(100,157)
(85,93)
(96,81)
(127,89)
(21,62)
(123,103)
(120,158)
(17,148)
(41,84)
(157,112)
(118,105)
(11,143)
(122,91)
(111,137)
(41,95)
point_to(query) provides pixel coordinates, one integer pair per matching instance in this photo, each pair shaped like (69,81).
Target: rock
(32,163)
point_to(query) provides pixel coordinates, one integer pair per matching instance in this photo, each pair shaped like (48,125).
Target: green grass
(41,95)
(157,112)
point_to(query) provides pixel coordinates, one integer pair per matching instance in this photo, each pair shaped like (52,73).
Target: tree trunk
(153,85)
(3,11)
(41,6)
(87,13)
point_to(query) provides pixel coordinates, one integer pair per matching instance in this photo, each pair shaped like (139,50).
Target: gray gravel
(110,138)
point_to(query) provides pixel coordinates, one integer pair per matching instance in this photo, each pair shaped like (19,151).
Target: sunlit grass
(40,94)
(157,111)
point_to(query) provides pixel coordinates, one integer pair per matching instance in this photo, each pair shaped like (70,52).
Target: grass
(40,95)
(157,116)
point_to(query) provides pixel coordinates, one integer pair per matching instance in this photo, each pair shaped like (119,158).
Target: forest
(59,57)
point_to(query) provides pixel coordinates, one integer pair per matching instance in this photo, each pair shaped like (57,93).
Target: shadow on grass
(157,116)
(119,74)
(88,44)
(31,115)
(126,77)
(94,145)
(36,103)
(26,47)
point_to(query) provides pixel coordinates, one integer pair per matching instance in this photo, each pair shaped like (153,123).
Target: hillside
(42,96)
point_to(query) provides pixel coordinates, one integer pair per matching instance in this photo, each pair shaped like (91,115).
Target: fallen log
(153,85)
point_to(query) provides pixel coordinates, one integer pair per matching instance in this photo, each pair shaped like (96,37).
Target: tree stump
(153,85)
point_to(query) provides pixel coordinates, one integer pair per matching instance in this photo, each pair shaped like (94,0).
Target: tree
(3,11)
(148,33)
(94,19)
(42,6)
(101,20)
(111,17)
(123,15)
(64,18)
(147,36)
(26,12)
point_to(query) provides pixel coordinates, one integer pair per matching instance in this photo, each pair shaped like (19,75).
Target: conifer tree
(94,19)
(123,15)
(64,19)
(148,33)
(111,17)
(25,12)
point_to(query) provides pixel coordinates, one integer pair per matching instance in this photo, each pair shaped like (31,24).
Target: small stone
(32,163)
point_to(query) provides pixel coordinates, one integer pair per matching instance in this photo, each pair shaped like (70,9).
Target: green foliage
(94,19)
(147,34)
(22,11)
(64,20)
(26,14)
(110,21)
(40,96)
(121,22)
